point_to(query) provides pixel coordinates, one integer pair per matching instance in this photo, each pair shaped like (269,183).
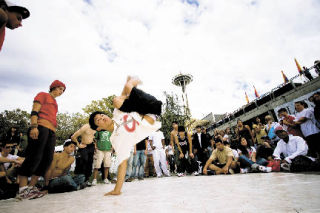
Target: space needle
(182,80)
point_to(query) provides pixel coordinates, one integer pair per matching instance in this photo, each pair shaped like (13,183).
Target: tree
(104,105)
(68,124)
(17,117)
(172,111)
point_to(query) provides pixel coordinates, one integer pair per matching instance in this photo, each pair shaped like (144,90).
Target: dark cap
(19,9)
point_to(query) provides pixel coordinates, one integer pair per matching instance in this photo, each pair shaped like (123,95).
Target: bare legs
(120,179)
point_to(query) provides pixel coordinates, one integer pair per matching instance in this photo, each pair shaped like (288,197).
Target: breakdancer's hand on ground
(112,193)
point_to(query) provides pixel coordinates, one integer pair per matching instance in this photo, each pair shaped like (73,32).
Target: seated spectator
(270,126)
(265,150)
(186,160)
(287,121)
(11,167)
(248,159)
(7,188)
(11,17)
(221,161)
(259,132)
(102,154)
(291,147)
(244,131)
(57,178)
(305,118)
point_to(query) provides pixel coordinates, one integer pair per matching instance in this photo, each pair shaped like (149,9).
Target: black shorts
(142,103)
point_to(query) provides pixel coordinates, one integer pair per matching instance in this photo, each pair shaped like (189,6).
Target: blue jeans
(246,162)
(66,183)
(129,166)
(139,161)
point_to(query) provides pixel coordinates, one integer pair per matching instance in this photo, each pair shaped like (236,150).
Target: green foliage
(68,124)
(104,105)
(172,111)
(17,117)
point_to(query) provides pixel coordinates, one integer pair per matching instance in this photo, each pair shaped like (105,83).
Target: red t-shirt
(295,131)
(49,107)
(2,35)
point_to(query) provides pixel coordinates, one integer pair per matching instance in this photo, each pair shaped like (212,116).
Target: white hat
(19,9)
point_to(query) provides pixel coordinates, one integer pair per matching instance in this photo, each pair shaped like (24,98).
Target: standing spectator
(245,131)
(41,143)
(23,143)
(316,101)
(86,150)
(307,73)
(248,160)
(173,134)
(11,17)
(288,123)
(102,154)
(139,159)
(170,158)
(317,67)
(200,144)
(13,137)
(305,118)
(149,170)
(221,161)
(129,172)
(186,159)
(159,155)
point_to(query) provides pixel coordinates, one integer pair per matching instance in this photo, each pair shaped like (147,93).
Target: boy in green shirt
(102,154)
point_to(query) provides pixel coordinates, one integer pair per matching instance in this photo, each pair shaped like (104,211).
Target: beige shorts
(100,156)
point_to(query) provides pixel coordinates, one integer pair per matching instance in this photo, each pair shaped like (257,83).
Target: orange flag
(284,77)
(247,97)
(298,66)
(255,92)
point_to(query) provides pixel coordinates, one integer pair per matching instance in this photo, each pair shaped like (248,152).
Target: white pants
(159,156)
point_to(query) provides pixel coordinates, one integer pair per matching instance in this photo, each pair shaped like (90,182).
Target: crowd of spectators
(291,145)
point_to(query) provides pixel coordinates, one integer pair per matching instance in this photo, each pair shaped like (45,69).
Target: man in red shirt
(41,140)
(11,17)
(288,123)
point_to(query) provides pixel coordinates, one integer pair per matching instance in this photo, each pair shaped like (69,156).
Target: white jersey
(295,146)
(129,129)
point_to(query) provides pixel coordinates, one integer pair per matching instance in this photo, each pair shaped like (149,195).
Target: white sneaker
(180,174)
(94,182)
(264,169)
(106,181)
(231,171)
(195,173)
(244,170)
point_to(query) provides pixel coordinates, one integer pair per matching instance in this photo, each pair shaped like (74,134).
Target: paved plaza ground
(272,192)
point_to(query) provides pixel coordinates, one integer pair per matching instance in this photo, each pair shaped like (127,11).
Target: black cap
(19,9)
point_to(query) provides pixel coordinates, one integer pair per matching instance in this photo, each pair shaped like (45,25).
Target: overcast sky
(92,45)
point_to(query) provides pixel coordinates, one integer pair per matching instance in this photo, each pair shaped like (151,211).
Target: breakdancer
(134,118)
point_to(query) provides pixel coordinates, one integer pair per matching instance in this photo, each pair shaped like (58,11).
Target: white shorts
(100,156)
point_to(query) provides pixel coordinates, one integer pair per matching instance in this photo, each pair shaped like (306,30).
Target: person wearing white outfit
(134,118)
(159,156)
(290,146)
